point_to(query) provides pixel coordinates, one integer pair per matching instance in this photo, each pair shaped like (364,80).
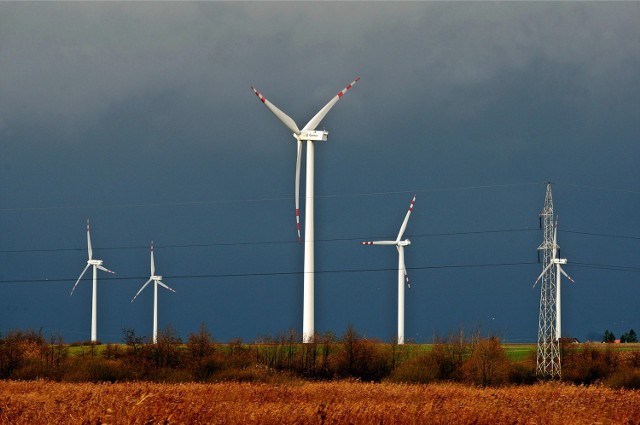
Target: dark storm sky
(140,117)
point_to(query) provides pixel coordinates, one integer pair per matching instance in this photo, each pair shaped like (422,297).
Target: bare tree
(488,364)
(200,345)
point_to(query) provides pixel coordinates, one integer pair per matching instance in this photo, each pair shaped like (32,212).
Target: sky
(141,118)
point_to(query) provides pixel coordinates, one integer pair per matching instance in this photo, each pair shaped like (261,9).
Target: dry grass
(333,403)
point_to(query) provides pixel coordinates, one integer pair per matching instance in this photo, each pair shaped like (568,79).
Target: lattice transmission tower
(548,357)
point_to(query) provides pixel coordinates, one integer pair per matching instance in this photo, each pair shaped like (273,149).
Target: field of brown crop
(334,402)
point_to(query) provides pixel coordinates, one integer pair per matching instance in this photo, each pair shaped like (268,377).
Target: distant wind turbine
(557,261)
(157,280)
(97,264)
(402,270)
(308,134)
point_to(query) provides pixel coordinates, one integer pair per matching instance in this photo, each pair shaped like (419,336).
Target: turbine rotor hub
(313,135)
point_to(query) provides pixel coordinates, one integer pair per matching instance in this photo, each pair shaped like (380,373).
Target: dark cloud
(150,103)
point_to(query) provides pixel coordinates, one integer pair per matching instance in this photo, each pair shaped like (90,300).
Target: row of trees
(628,337)
(457,357)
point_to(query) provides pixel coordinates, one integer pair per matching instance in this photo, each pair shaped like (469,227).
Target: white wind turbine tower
(402,270)
(308,134)
(97,264)
(557,262)
(157,280)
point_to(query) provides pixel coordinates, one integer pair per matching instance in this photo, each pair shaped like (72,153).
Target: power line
(600,234)
(297,273)
(141,205)
(287,198)
(600,188)
(289,273)
(235,201)
(212,244)
(276,242)
(607,267)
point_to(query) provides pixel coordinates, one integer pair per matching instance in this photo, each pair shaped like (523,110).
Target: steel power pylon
(548,358)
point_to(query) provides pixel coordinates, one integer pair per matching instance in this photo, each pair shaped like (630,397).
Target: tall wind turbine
(308,134)
(557,262)
(97,264)
(157,280)
(402,270)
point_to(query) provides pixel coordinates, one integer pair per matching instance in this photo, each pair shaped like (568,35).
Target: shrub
(360,358)
(523,373)
(200,346)
(449,354)
(420,369)
(488,365)
(97,370)
(206,368)
(254,374)
(590,365)
(625,378)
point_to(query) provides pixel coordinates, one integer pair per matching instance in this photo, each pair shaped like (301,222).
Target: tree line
(457,357)
(627,337)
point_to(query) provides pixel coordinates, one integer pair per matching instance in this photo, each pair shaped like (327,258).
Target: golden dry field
(42,402)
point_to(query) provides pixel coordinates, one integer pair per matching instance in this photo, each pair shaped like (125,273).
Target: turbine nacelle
(312,135)
(156,278)
(405,242)
(95,262)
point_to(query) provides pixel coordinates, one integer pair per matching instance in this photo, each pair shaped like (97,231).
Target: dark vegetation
(455,358)
(627,337)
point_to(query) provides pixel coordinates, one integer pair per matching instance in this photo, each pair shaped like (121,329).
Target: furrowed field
(306,402)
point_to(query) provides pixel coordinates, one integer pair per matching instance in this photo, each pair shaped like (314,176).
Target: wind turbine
(157,280)
(97,264)
(557,261)
(402,270)
(308,134)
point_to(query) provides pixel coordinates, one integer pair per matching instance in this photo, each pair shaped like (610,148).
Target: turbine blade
(543,272)
(140,290)
(81,274)
(105,269)
(406,219)
(286,119)
(89,242)
(379,243)
(153,265)
(555,243)
(567,276)
(403,267)
(298,187)
(164,285)
(311,125)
